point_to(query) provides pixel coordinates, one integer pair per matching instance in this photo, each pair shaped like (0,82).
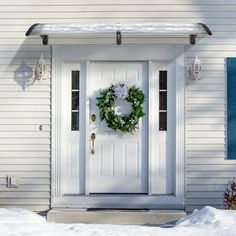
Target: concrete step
(134,217)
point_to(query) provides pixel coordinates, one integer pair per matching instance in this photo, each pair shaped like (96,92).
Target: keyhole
(93,117)
(40,127)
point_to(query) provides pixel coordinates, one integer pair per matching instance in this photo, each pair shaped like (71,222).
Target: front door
(118,163)
(126,170)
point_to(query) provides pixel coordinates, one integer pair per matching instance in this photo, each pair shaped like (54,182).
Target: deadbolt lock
(93,117)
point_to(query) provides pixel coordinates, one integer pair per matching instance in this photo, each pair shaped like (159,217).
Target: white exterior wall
(25,151)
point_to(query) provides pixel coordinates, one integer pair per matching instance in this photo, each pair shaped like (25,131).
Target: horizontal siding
(108,2)
(24,149)
(116,7)
(25,195)
(28,187)
(206,147)
(205,127)
(208,170)
(26,94)
(26,174)
(35,207)
(22,154)
(25,141)
(23,167)
(30,181)
(197,118)
(213,154)
(115,14)
(22,111)
(24,161)
(207,161)
(210,174)
(205,140)
(26,107)
(12,114)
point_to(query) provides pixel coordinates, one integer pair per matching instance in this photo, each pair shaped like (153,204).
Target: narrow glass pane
(75,121)
(75,79)
(163,101)
(75,101)
(162,79)
(162,120)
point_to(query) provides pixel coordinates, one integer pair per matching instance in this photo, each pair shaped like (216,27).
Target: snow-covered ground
(205,222)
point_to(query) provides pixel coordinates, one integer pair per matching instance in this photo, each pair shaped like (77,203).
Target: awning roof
(44,30)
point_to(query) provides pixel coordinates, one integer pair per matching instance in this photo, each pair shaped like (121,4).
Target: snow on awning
(193,30)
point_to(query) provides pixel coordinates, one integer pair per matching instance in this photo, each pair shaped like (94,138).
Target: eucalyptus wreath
(105,103)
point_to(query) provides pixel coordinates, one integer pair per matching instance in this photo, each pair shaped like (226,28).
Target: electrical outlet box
(12,181)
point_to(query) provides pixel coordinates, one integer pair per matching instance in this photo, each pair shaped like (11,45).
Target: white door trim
(180,122)
(87,145)
(121,53)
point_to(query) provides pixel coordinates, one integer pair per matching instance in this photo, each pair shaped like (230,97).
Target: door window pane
(162,100)
(162,79)
(75,101)
(75,121)
(75,80)
(163,120)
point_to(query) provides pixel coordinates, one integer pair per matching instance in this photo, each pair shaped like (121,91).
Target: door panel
(119,164)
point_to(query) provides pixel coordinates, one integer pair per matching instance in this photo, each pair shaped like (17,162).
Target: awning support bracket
(192,38)
(44,39)
(118,38)
(206,28)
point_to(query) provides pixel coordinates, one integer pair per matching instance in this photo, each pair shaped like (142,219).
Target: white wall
(25,151)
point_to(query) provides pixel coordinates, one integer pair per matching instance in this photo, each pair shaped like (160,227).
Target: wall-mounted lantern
(40,69)
(195,69)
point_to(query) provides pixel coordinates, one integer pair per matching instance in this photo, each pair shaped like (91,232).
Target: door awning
(192,30)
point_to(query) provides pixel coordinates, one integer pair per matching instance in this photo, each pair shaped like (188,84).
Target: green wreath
(105,103)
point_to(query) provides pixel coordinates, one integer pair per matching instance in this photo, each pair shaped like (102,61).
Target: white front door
(120,161)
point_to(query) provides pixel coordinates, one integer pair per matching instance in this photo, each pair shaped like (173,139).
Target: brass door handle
(93,137)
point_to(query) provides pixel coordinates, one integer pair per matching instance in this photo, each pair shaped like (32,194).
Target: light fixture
(40,69)
(168,29)
(195,69)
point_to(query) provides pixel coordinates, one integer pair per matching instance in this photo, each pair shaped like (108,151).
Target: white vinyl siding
(25,151)
(207,169)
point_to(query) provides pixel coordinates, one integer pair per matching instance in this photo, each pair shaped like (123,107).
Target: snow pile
(207,221)
(18,216)
(209,216)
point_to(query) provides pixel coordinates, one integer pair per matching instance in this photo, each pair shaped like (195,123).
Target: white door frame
(62,54)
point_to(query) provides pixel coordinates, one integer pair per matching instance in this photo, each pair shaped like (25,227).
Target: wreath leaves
(126,123)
